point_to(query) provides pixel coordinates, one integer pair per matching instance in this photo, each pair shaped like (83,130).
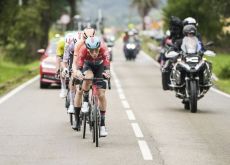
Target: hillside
(116,12)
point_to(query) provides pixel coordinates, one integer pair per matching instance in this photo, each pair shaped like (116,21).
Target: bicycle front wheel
(97,130)
(84,124)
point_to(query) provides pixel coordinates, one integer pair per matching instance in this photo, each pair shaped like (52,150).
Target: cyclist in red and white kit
(94,62)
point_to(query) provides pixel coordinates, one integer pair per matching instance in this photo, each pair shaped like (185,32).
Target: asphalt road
(146,125)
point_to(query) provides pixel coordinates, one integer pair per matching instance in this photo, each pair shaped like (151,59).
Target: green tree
(24,29)
(144,7)
(203,11)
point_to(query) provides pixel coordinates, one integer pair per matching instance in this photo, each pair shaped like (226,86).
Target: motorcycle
(131,48)
(191,74)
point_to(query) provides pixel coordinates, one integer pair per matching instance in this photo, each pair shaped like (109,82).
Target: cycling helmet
(88,32)
(190,21)
(92,43)
(189,29)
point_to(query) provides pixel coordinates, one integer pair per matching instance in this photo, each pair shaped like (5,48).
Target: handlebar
(94,79)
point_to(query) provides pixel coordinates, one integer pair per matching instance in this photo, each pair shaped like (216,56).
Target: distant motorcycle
(131,48)
(191,74)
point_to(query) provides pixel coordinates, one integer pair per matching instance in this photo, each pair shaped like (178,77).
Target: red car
(48,65)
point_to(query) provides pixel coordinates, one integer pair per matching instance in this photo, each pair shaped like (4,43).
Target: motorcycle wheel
(193,97)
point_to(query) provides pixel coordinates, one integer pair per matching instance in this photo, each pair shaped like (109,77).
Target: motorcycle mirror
(171,54)
(210,43)
(209,53)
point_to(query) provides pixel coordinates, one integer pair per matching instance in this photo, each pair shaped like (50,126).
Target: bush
(225,72)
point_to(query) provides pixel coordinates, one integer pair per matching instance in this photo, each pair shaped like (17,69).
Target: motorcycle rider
(166,42)
(192,21)
(126,35)
(176,35)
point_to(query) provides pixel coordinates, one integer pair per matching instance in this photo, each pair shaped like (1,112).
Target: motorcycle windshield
(190,45)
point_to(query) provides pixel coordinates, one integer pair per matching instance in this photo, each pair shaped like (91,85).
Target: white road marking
(138,133)
(125,104)
(16,90)
(137,130)
(119,90)
(130,115)
(118,85)
(220,92)
(146,153)
(122,96)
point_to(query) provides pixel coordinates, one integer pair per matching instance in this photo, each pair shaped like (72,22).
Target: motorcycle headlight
(130,46)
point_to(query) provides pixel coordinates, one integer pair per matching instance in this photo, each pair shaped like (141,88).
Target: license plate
(192,59)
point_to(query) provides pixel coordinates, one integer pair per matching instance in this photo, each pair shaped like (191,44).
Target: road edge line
(18,89)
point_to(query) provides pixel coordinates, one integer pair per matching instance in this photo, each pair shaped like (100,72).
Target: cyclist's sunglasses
(94,50)
(85,36)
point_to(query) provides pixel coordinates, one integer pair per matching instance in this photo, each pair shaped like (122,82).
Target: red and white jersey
(103,56)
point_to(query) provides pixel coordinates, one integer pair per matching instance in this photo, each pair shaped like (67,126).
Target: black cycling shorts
(97,72)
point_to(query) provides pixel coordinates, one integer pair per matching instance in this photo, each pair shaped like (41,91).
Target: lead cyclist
(93,62)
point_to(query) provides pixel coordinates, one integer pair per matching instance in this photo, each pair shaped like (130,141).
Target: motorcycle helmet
(190,21)
(189,29)
(175,27)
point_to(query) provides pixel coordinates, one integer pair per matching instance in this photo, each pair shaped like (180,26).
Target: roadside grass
(12,74)
(219,63)
(145,46)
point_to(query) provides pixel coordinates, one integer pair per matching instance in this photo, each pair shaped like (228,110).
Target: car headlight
(130,46)
(48,65)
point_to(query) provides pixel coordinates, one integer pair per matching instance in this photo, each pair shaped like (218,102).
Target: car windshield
(190,45)
(51,49)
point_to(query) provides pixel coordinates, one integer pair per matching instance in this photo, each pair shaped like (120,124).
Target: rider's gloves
(57,74)
(79,75)
(107,74)
(65,72)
